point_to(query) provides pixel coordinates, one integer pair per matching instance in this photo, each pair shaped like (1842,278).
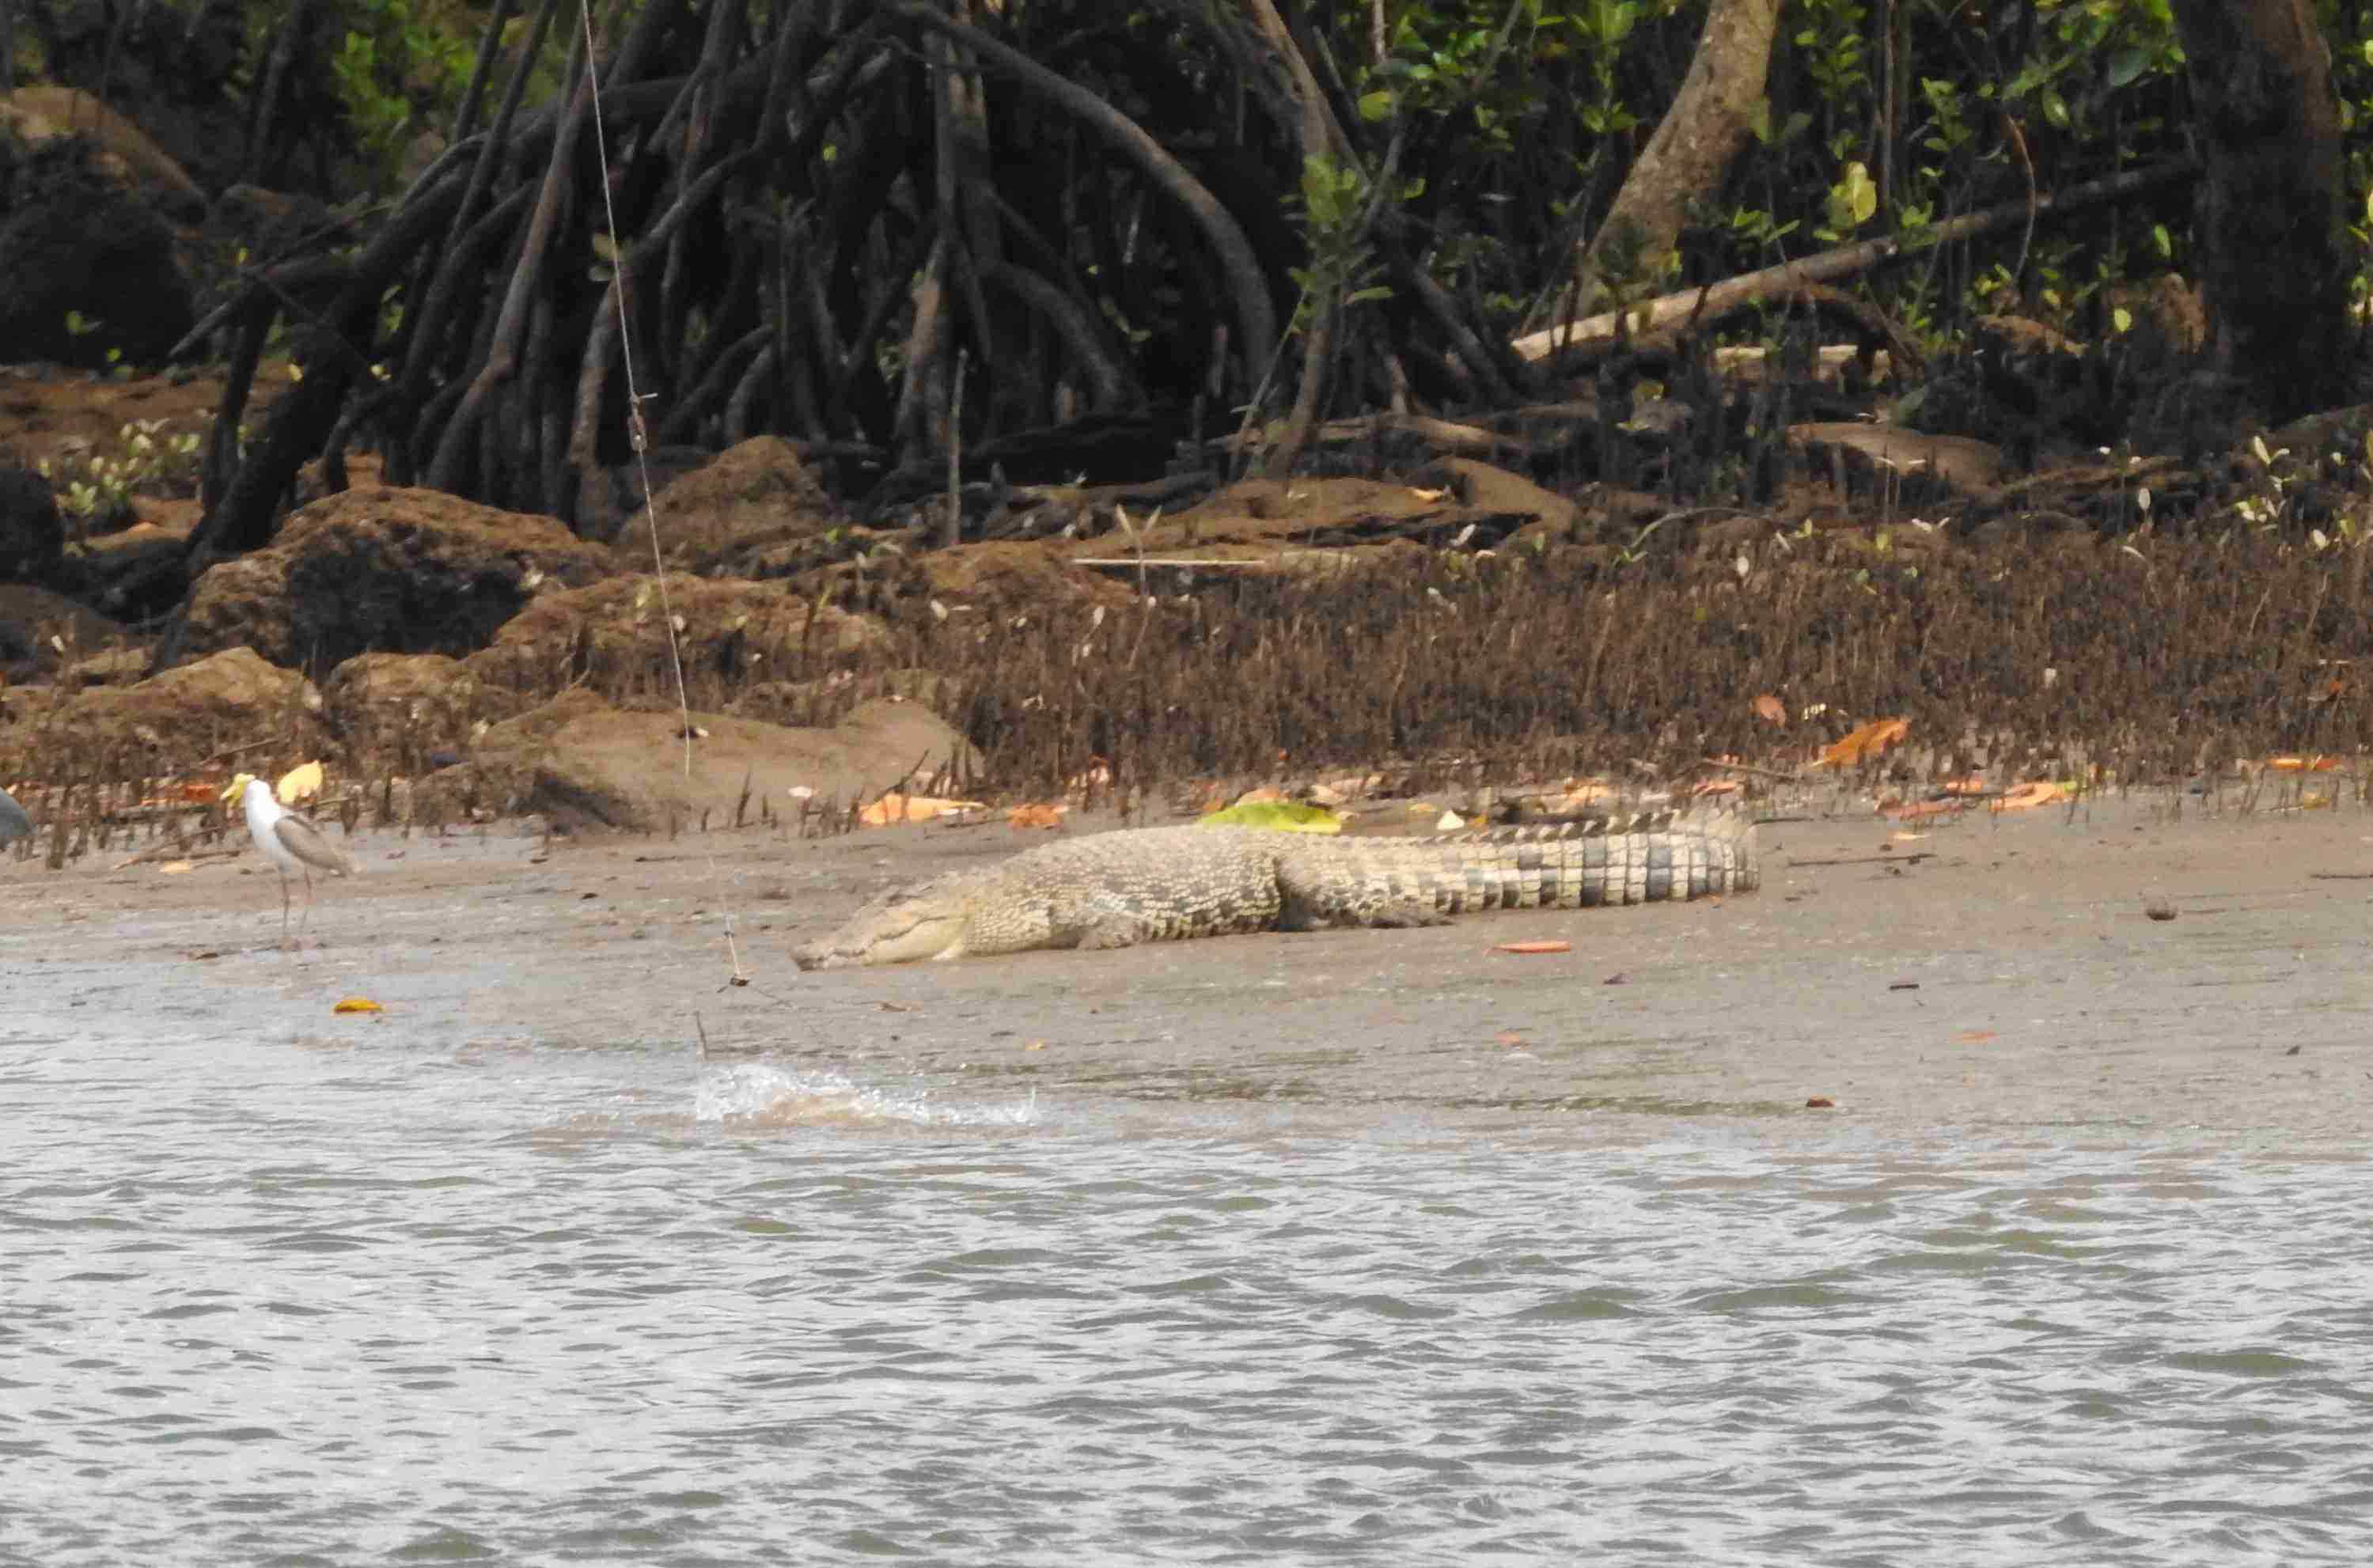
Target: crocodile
(1164,883)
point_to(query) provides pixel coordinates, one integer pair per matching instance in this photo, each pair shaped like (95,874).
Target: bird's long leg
(309,906)
(283,911)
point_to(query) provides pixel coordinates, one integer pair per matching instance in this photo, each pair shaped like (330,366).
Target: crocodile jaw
(900,928)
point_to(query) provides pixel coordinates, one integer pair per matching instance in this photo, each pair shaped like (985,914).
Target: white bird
(14,823)
(290,842)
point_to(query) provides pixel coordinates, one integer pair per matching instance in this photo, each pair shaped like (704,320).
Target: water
(303,1301)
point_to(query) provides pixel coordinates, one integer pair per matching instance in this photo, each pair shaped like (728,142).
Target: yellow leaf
(301,783)
(1036,814)
(358,1004)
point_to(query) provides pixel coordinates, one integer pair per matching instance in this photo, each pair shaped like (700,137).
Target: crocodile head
(897,928)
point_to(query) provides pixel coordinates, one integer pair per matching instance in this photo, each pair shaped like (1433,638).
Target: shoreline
(2000,971)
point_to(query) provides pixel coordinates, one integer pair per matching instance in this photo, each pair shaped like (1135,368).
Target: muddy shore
(2001,971)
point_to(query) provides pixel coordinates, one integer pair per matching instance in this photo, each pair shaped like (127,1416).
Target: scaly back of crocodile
(1641,859)
(1155,884)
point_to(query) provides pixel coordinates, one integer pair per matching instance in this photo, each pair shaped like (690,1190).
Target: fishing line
(638,437)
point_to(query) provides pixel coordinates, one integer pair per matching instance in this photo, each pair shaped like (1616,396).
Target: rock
(614,633)
(38,116)
(91,270)
(173,722)
(385,570)
(30,617)
(746,514)
(403,705)
(585,764)
(32,534)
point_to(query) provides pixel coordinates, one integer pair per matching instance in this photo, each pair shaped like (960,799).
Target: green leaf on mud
(1279,816)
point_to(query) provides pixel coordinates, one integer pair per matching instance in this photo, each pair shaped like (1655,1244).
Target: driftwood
(1607,333)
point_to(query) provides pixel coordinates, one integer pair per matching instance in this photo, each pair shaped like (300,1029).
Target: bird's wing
(298,837)
(14,823)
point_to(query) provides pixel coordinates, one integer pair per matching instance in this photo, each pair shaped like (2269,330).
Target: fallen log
(1604,333)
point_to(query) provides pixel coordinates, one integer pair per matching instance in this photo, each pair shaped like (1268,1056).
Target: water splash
(756,1094)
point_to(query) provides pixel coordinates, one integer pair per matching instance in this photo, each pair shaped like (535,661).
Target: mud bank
(2000,971)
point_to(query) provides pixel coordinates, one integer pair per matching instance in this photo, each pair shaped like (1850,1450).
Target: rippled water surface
(289,1303)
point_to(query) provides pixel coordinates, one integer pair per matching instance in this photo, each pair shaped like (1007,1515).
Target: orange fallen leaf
(1770,708)
(358,1004)
(1705,786)
(1974,1036)
(1870,741)
(1256,797)
(1821,1103)
(1038,813)
(1975,784)
(1531,947)
(2033,794)
(895,807)
(2302,763)
(175,868)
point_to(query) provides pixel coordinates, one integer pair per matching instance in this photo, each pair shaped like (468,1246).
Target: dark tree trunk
(2271,234)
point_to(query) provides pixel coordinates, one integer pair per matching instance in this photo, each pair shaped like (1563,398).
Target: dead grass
(2046,656)
(2067,658)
